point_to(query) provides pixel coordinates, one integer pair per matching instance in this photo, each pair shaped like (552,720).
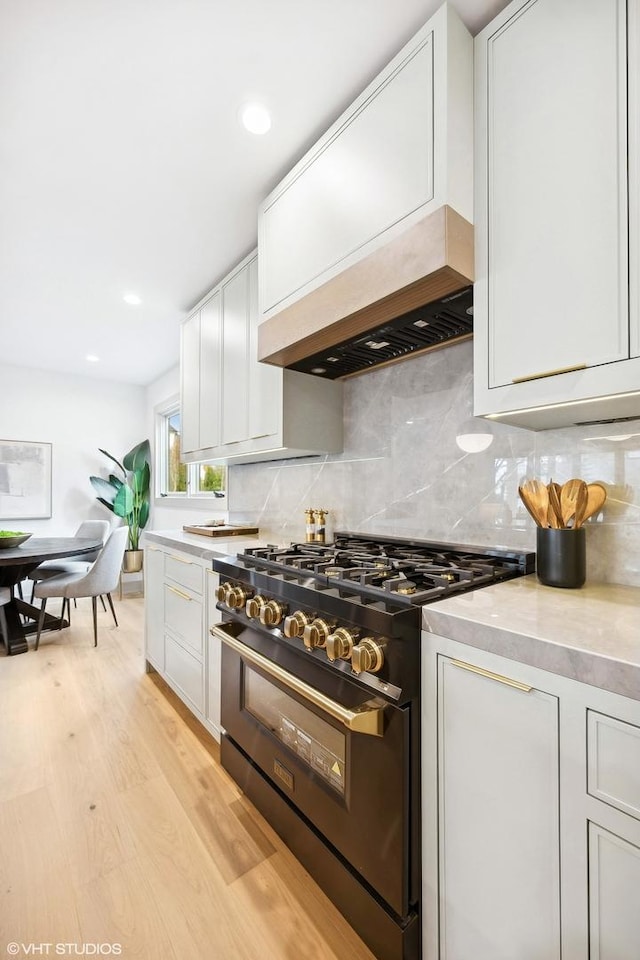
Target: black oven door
(344,766)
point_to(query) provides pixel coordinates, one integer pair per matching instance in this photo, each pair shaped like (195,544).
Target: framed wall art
(25,480)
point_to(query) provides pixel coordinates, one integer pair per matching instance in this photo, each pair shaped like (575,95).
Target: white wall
(168,514)
(77,415)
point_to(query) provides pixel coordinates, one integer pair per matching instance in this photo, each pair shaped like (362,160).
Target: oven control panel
(316,632)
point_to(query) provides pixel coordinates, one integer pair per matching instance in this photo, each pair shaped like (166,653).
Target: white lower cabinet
(499,810)
(614,896)
(184,672)
(531,813)
(179,599)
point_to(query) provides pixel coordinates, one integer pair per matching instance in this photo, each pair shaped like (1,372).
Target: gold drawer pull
(493,676)
(550,373)
(180,560)
(185,596)
(155,549)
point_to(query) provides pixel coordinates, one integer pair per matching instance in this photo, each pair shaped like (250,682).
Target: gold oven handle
(365,719)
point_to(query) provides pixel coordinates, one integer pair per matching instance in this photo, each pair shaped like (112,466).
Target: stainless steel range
(321,708)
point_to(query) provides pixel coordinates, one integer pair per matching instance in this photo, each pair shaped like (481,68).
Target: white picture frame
(25,480)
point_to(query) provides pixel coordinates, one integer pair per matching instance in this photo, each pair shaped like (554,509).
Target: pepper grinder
(310,525)
(320,525)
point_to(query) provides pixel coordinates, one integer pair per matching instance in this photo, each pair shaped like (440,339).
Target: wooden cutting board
(225,530)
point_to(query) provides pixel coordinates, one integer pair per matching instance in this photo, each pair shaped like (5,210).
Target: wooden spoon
(555,510)
(569,497)
(535,497)
(581,506)
(596,496)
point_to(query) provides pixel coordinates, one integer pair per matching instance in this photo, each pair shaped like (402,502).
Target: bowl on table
(12,538)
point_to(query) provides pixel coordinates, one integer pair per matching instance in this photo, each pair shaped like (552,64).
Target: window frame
(163,412)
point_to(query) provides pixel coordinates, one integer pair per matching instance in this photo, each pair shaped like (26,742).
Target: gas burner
(405,587)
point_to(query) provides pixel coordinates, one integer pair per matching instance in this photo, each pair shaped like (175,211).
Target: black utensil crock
(561,559)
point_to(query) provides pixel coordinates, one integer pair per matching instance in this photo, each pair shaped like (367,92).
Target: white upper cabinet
(633,27)
(190,381)
(200,394)
(400,151)
(209,358)
(551,298)
(265,381)
(235,352)
(236,409)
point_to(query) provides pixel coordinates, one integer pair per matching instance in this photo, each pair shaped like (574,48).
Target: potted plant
(128,497)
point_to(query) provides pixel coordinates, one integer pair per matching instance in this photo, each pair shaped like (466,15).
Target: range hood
(410,295)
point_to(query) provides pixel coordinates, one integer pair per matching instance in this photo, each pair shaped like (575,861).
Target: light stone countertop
(199,546)
(591,634)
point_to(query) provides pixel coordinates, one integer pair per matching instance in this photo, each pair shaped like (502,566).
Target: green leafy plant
(128,496)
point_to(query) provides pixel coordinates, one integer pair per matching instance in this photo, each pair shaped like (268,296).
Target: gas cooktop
(399,570)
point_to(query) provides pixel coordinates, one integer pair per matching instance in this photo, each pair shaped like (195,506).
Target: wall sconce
(474,436)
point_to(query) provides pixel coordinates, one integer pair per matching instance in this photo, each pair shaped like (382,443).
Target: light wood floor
(118,825)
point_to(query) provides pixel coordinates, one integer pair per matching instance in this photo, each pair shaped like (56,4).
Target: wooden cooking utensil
(596,496)
(581,506)
(555,510)
(569,497)
(524,496)
(535,497)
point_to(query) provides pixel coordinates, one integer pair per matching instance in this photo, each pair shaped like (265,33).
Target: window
(176,479)
(175,472)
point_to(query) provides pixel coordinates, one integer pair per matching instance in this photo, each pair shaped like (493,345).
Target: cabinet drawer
(184,672)
(183,616)
(187,573)
(614,762)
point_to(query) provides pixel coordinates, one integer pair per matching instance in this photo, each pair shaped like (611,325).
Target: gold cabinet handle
(550,373)
(185,596)
(155,549)
(211,572)
(179,559)
(365,719)
(492,676)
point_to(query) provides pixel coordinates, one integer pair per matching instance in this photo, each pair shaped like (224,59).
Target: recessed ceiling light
(132,298)
(91,358)
(255,118)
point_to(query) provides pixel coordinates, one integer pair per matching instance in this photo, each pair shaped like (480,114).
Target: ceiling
(124,169)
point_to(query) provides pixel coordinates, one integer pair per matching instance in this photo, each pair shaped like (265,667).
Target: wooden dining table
(16,563)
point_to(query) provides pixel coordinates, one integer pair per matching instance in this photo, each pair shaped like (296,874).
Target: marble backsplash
(404,471)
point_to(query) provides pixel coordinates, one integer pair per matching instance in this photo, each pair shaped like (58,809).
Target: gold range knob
(340,644)
(316,633)
(223,592)
(272,613)
(234,597)
(254,606)
(295,623)
(367,656)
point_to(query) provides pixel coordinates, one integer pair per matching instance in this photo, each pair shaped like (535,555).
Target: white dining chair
(89,530)
(99,580)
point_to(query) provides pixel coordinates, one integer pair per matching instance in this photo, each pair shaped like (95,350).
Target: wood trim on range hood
(431,259)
